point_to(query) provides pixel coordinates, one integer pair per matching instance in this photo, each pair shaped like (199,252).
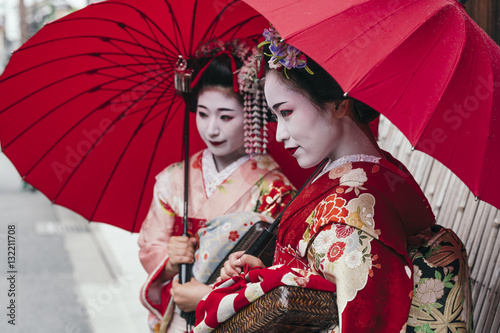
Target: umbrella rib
(490,130)
(145,16)
(445,85)
(92,54)
(154,38)
(164,92)
(121,116)
(151,119)
(156,62)
(73,38)
(62,80)
(384,59)
(118,23)
(67,101)
(129,28)
(176,29)
(68,131)
(150,163)
(47,114)
(193,21)
(139,126)
(387,16)
(235,28)
(72,56)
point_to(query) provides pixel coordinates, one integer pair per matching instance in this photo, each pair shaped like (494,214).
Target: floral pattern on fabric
(342,232)
(353,179)
(275,197)
(220,235)
(442,295)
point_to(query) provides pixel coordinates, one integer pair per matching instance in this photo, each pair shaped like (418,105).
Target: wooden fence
(486,13)
(475,222)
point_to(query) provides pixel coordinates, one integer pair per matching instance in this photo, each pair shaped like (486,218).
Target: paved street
(67,275)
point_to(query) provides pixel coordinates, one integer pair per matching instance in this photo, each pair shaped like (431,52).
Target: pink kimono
(255,185)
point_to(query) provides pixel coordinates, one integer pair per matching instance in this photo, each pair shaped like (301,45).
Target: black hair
(217,74)
(321,88)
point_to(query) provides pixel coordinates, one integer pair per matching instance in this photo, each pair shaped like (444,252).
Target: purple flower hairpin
(283,54)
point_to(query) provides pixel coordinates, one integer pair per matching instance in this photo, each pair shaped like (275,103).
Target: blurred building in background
(3,42)
(31,16)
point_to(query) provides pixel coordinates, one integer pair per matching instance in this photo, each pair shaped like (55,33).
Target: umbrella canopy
(88,109)
(424,64)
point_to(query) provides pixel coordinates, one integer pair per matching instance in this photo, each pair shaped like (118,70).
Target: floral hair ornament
(246,83)
(282,54)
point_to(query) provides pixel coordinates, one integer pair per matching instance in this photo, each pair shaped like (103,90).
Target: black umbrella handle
(260,243)
(185,270)
(185,273)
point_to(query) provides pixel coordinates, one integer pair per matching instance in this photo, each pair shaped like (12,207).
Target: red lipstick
(292,150)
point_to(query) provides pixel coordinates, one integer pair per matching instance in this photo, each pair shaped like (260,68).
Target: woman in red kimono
(350,224)
(225,180)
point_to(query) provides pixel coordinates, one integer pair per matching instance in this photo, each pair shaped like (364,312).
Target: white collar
(213,178)
(347,159)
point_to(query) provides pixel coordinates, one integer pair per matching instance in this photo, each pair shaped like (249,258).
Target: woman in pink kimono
(231,186)
(346,232)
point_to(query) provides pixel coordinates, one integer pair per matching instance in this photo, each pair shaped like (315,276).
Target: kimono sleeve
(374,283)
(154,236)
(157,228)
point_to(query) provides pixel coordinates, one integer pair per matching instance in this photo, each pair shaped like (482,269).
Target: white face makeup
(308,133)
(219,119)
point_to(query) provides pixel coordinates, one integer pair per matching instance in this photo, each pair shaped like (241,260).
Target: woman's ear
(339,108)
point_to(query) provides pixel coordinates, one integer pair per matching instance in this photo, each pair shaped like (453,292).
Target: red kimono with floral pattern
(350,226)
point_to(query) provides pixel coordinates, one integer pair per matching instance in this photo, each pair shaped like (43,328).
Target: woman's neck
(358,140)
(222,162)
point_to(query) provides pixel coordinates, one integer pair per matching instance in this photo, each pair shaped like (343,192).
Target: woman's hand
(188,295)
(180,251)
(234,265)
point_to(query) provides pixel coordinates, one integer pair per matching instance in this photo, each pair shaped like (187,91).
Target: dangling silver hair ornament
(182,76)
(255,119)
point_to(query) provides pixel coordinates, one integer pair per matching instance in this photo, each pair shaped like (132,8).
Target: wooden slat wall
(486,13)
(475,222)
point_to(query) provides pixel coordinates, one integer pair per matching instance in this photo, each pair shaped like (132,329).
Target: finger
(184,246)
(250,260)
(178,252)
(230,269)
(193,241)
(236,255)
(176,260)
(223,275)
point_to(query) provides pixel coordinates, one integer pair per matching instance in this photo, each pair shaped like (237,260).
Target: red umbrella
(424,64)
(88,109)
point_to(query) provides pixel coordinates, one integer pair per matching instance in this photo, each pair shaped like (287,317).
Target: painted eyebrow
(277,105)
(219,109)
